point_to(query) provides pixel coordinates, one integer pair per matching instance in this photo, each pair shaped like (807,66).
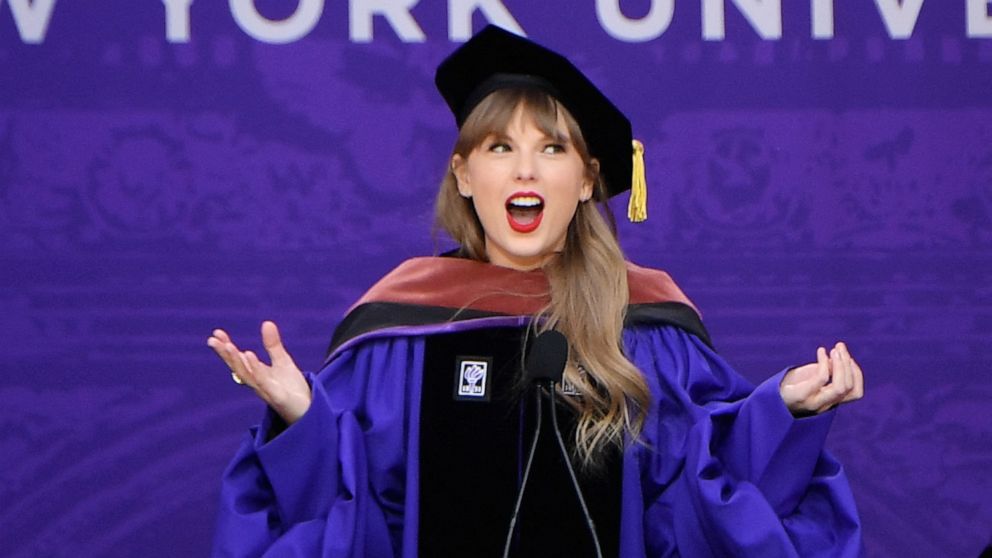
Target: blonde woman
(413,438)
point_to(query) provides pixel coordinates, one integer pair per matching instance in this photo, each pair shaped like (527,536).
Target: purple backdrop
(817,173)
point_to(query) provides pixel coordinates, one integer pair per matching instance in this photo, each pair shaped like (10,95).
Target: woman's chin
(521,260)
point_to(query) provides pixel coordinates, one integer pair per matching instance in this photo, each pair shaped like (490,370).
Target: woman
(382,453)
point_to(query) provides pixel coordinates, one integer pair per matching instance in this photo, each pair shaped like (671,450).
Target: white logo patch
(472,379)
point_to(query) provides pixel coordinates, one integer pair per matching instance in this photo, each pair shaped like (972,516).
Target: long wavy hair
(588,279)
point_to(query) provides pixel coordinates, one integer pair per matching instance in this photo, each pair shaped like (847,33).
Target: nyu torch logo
(472,381)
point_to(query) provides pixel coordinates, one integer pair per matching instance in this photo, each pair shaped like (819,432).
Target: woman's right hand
(280,384)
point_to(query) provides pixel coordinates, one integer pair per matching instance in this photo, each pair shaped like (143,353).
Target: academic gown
(721,468)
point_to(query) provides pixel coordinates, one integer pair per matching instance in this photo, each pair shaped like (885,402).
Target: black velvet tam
(495,59)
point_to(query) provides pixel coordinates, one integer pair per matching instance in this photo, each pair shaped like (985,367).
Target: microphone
(545,366)
(546,359)
(556,350)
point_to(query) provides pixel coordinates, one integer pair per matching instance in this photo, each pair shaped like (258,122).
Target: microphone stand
(523,483)
(544,366)
(571,473)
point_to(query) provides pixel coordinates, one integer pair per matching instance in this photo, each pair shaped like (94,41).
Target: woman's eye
(552,148)
(499,148)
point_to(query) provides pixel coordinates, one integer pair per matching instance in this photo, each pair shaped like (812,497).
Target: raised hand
(828,382)
(280,384)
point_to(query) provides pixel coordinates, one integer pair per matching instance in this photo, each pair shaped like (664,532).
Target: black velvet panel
(677,314)
(372,316)
(472,459)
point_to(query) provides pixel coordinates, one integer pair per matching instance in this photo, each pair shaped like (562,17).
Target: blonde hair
(588,279)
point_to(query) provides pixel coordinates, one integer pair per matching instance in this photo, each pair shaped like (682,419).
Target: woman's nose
(526,170)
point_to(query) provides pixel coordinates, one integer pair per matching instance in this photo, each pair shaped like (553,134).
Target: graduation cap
(497,59)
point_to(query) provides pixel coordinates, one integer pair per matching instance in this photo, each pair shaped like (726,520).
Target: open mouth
(524,211)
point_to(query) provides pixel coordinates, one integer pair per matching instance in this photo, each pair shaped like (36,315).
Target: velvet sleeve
(725,469)
(333,483)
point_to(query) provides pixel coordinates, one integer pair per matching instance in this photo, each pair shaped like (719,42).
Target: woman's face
(525,187)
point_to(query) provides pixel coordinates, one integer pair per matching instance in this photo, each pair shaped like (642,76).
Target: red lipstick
(524,211)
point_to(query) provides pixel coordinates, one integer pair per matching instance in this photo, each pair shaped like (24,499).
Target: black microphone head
(546,357)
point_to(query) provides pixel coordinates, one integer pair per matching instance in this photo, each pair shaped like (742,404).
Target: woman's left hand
(830,381)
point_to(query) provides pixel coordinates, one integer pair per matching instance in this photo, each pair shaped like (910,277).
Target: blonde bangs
(493,115)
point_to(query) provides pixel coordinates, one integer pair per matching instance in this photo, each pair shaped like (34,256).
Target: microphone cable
(523,483)
(571,473)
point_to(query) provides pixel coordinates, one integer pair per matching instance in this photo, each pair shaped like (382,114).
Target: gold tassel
(637,209)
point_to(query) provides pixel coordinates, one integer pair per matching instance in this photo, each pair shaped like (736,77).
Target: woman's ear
(458,169)
(586,193)
(589,184)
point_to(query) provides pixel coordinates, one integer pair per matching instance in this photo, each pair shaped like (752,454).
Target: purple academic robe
(723,469)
